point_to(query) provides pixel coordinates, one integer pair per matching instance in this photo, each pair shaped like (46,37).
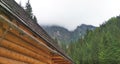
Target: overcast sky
(71,13)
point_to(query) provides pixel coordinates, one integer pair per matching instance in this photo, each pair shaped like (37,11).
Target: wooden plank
(59,57)
(17,56)
(22,50)
(4,60)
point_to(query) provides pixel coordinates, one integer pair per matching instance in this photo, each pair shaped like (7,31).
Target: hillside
(66,36)
(101,46)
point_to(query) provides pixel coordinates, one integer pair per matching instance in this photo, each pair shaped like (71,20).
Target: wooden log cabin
(23,41)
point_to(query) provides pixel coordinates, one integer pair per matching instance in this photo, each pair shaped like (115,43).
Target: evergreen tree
(101,46)
(28,9)
(35,19)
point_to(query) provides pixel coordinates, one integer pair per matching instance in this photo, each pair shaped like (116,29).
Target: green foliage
(101,46)
(35,19)
(28,10)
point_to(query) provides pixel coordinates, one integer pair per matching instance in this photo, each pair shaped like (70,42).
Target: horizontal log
(17,56)
(61,62)
(24,51)
(4,60)
(17,40)
(26,38)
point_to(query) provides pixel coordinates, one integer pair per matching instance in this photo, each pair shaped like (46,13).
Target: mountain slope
(101,46)
(63,35)
(81,30)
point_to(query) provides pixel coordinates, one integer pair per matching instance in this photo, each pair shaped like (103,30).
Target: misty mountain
(61,34)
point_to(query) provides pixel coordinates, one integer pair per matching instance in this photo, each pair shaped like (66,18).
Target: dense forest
(99,46)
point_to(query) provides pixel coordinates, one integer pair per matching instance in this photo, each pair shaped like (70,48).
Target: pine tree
(101,46)
(35,19)
(28,9)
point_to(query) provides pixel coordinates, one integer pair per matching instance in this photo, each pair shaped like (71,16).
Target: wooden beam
(24,51)
(17,40)
(4,60)
(62,62)
(17,56)
(26,38)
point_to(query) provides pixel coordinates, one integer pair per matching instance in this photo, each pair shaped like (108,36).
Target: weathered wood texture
(16,47)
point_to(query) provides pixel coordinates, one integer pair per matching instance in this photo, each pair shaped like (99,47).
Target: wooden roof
(19,13)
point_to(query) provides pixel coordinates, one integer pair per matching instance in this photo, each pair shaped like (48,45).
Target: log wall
(17,47)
